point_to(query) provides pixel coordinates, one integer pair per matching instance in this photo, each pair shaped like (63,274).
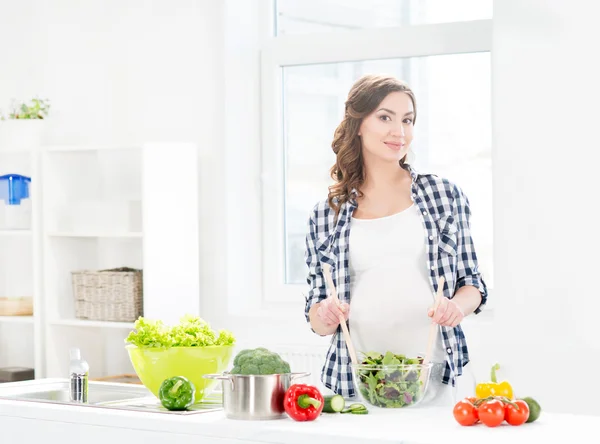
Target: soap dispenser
(79,372)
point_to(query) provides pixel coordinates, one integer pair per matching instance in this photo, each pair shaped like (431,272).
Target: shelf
(79,148)
(15,233)
(16,151)
(96,324)
(16,319)
(130,235)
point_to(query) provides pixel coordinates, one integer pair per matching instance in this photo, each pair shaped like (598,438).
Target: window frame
(255,199)
(292,50)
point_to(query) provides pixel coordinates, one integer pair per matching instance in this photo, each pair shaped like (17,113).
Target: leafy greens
(191,331)
(389,380)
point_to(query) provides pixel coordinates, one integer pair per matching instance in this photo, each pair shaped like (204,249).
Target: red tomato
(516,417)
(491,413)
(465,413)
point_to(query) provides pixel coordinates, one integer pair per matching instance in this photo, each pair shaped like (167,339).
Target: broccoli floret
(259,361)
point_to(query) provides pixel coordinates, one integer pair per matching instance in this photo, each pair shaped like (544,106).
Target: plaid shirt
(450,251)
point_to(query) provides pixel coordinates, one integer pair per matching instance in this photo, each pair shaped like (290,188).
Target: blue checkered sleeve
(317,290)
(467,269)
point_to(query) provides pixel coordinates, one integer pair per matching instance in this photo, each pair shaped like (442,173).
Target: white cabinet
(21,336)
(95,208)
(92,220)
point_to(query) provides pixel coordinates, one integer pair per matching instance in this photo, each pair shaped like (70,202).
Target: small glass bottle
(79,373)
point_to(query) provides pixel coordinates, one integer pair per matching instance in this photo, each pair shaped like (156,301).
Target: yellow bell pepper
(494,388)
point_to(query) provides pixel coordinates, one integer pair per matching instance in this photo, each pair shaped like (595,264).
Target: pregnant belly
(390,315)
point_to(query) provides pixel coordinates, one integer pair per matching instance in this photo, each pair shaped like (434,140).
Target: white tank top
(390,289)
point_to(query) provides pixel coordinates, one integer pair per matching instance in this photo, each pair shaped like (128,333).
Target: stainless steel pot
(255,397)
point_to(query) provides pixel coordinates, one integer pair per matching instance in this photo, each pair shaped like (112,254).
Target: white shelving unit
(16,319)
(117,206)
(15,233)
(131,235)
(89,323)
(92,212)
(100,207)
(20,268)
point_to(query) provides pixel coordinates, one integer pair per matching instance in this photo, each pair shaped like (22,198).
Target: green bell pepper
(177,393)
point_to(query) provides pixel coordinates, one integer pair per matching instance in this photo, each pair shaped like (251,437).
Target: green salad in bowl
(390,380)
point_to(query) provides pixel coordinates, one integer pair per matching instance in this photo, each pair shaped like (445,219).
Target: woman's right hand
(330,310)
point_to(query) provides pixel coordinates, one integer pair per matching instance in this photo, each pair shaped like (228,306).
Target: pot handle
(298,375)
(220,377)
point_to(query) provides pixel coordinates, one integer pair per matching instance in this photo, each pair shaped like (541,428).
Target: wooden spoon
(327,272)
(433,329)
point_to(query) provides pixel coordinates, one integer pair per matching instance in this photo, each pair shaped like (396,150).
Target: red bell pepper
(303,402)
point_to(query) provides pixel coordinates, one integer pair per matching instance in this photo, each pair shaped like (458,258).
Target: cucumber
(333,403)
(356,409)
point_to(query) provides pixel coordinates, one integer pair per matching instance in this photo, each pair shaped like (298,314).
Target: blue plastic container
(13,188)
(15,205)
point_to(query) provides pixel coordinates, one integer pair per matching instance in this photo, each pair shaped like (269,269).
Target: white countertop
(414,425)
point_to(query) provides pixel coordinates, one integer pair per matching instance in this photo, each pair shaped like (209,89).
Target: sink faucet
(79,373)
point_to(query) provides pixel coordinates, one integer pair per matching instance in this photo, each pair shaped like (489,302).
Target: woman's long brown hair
(348,171)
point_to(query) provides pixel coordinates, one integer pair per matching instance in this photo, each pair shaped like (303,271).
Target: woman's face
(387,132)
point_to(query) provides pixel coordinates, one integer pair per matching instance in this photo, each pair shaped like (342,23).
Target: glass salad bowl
(391,384)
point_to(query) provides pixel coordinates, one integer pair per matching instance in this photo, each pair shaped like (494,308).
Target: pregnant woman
(389,232)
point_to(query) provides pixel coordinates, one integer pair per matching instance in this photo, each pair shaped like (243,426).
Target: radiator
(304,360)
(301,359)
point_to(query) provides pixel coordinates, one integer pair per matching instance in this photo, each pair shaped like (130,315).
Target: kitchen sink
(108,395)
(57,391)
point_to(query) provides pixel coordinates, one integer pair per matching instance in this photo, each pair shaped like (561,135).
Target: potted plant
(22,127)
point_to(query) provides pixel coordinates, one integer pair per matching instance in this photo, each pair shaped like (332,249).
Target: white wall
(239,277)
(546,96)
(125,72)
(116,71)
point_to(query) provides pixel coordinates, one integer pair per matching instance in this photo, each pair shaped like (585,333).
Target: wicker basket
(108,295)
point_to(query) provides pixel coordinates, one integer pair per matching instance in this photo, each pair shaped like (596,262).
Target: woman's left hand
(448,313)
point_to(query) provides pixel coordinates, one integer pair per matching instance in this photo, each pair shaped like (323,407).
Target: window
(452,135)
(305,79)
(313,16)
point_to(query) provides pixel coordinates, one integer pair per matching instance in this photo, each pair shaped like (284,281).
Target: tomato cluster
(491,411)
